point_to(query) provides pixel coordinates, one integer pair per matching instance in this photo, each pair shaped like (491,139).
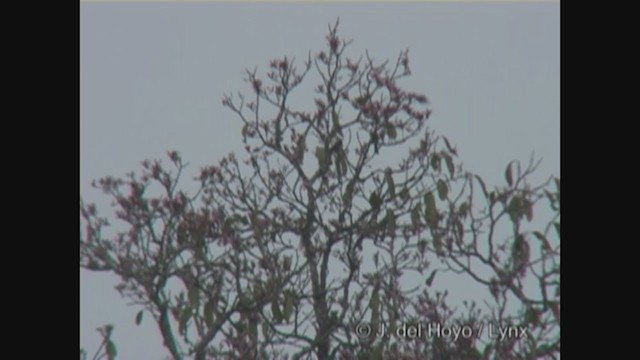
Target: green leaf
(199,247)
(404,194)
(374,305)
(184,319)
(275,310)
(531,316)
(438,244)
(515,208)
(348,194)
(459,230)
(253,330)
(237,218)
(450,165)
(519,249)
(550,196)
(415,216)
(508,174)
(474,353)
(543,239)
(484,188)
(265,330)
(258,292)
(320,156)
(390,183)
(449,147)
(431,213)
(182,235)
(435,162)
(546,347)
(390,222)
(464,207)
(443,190)
(108,329)
(557,226)
(528,210)
(301,147)
(391,130)
(208,312)
(194,296)
(341,163)
(422,246)
(112,351)
(376,352)
(429,280)
(383,223)
(289,299)
(487,351)
(240,326)
(228,223)
(257,228)
(374,201)
(391,312)
(139,317)
(337,128)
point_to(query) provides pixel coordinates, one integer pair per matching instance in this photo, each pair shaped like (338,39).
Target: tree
(107,348)
(310,244)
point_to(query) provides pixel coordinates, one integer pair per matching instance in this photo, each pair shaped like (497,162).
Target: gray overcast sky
(152,77)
